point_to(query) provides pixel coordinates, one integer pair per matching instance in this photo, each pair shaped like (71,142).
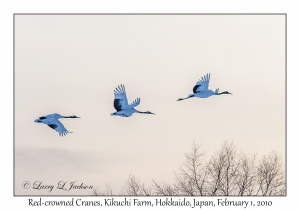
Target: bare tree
(95,192)
(192,174)
(246,177)
(227,172)
(232,163)
(271,180)
(215,171)
(164,189)
(106,192)
(134,187)
(223,171)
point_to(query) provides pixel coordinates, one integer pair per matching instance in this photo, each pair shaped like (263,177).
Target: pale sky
(71,64)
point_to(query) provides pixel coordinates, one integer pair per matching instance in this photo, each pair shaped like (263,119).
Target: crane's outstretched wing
(58,127)
(135,103)
(120,101)
(47,118)
(202,84)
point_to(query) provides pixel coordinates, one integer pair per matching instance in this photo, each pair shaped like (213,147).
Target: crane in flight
(52,121)
(201,89)
(121,104)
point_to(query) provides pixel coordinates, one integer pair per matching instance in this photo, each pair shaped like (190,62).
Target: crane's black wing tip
(53,126)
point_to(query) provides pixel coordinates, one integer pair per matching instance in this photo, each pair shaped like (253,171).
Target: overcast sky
(71,65)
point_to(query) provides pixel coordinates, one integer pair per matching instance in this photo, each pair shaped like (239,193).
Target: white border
(8,8)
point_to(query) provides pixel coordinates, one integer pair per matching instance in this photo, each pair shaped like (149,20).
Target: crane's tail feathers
(113,114)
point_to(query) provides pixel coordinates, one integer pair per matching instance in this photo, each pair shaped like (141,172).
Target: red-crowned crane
(52,121)
(121,104)
(201,89)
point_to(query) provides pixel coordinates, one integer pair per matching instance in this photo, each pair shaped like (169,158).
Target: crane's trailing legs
(190,96)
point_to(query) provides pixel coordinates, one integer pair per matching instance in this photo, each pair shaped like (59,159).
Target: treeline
(227,172)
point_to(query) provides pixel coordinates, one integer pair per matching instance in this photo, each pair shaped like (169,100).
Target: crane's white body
(201,89)
(204,94)
(125,112)
(52,120)
(121,103)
